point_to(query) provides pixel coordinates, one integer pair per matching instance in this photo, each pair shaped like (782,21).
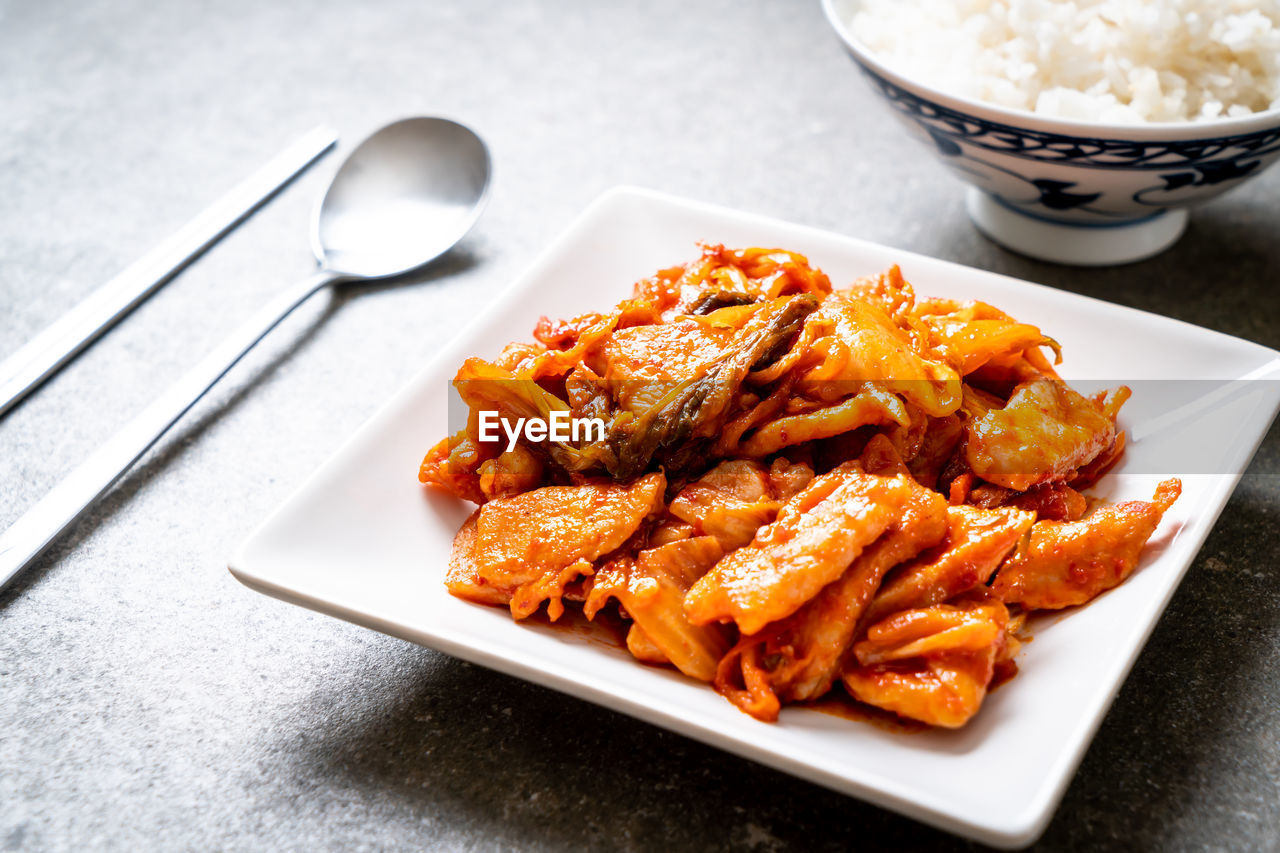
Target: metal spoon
(403,197)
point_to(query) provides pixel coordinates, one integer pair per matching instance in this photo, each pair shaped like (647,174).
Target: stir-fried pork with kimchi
(797,488)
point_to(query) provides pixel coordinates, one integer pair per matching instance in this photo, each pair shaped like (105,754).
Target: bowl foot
(1079,245)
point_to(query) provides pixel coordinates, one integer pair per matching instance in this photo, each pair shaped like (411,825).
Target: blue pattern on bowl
(1077,179)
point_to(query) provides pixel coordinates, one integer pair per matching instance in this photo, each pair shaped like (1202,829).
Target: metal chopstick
(58,344)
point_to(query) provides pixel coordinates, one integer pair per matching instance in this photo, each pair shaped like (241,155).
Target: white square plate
(362,540)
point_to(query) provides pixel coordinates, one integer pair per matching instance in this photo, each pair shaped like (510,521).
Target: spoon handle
(37,528)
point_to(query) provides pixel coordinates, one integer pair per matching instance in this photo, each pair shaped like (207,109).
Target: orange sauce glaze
(610,629)
(840,704)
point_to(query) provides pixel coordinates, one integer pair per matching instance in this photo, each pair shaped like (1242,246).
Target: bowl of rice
(1085,128)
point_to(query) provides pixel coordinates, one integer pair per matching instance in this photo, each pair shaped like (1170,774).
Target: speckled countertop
(148,701)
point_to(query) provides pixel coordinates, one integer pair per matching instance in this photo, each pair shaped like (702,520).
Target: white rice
(1116,61)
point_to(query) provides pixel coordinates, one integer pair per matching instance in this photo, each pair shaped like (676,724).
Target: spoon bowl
(401,199)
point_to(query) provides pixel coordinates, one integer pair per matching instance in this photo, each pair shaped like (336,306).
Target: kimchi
(790,488)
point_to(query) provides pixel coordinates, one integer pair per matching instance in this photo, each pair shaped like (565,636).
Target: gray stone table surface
(149,701)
